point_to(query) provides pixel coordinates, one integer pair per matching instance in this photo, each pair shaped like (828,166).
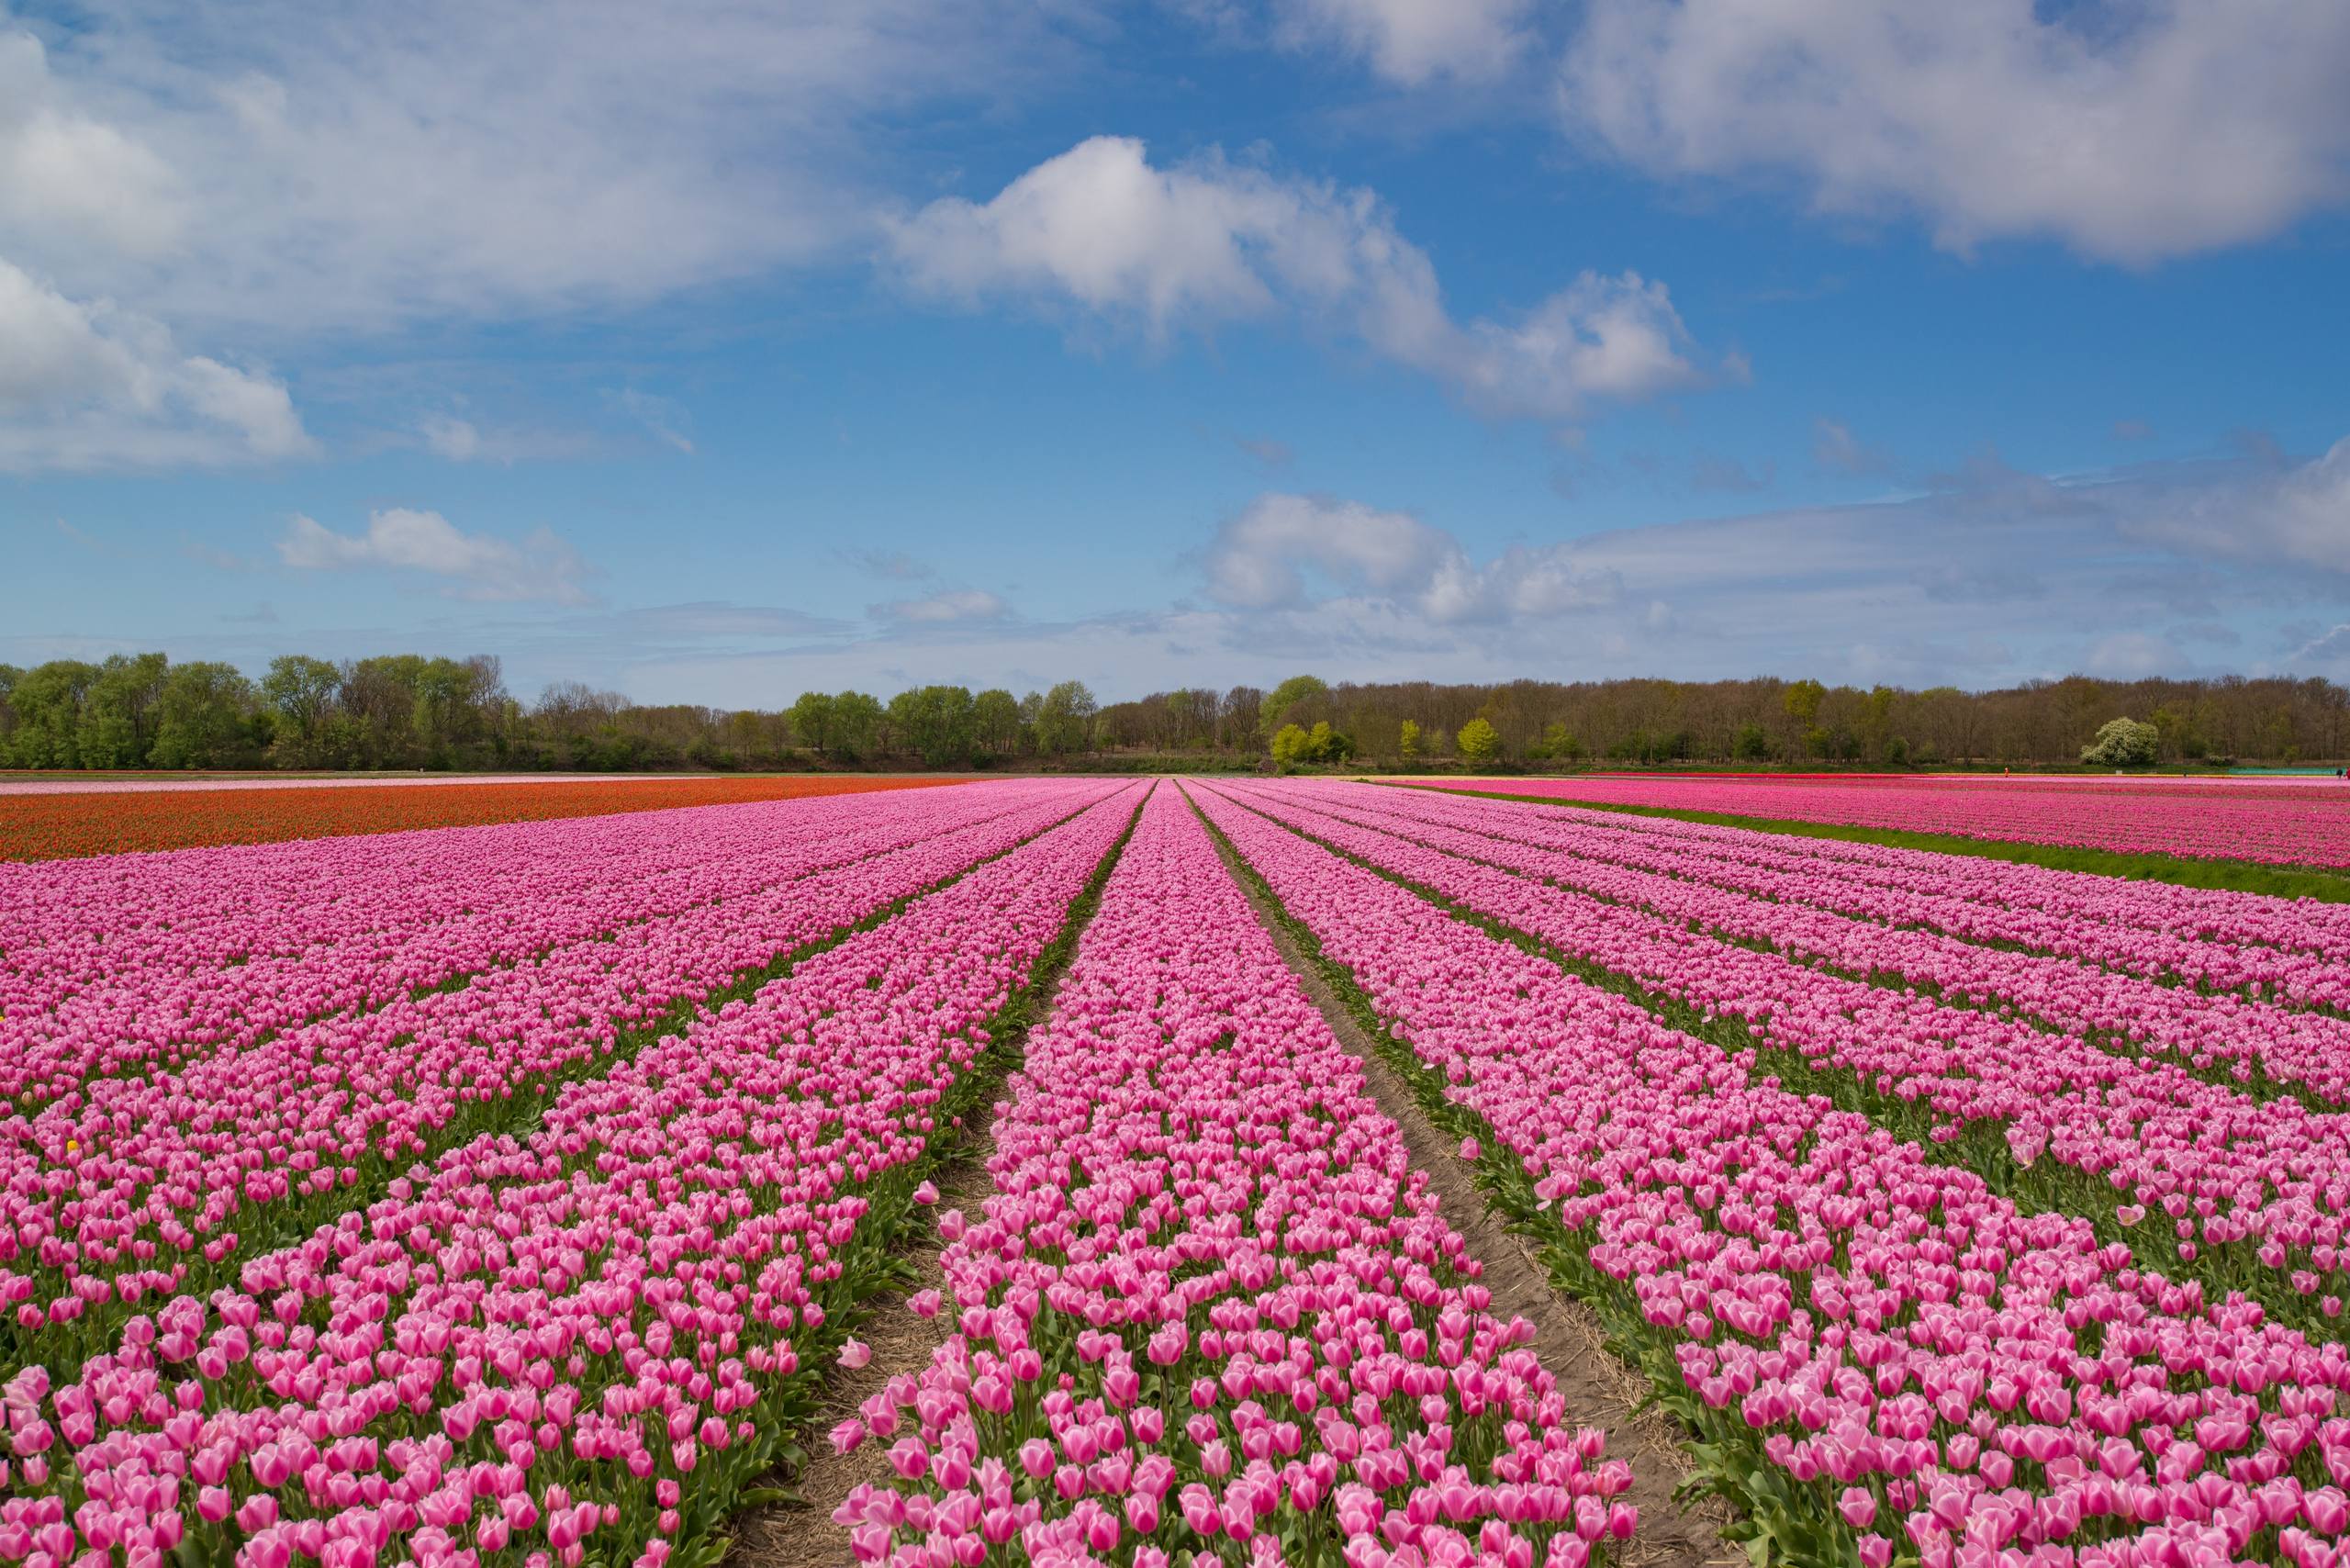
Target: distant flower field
(56,822)
(2302,823)
(515,1195)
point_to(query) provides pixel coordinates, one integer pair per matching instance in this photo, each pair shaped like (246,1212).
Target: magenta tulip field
(514,1194)
(2283,822)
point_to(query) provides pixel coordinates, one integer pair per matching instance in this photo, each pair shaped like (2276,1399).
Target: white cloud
(63,170)
(286,165)
(1259,560)
(458,441)
(1207,243)
(1837,450)
(454,439)
(264,175)
(2128,131)
(90,385)
(1411,41)
(2293,514)
(2133,655)
(664,419)
(951,605)
(476,566)
(1994,579)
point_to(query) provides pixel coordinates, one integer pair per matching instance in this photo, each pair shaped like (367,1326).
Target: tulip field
(55,819)
(2279,822)
(513,1194)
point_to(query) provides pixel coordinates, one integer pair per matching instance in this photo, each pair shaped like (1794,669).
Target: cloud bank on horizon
(714,352)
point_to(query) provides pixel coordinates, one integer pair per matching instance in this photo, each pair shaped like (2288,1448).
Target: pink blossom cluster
(128,964)
(584,1341)
(112,1193)
(2293,950)
(1924,1371)
(2287,826)
(2258,1189)
(1209,1306)
(1815,910)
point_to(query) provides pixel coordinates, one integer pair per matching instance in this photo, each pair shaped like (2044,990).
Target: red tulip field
(525,1193)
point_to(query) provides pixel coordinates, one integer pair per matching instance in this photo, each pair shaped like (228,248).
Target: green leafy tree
(1752,745)
(1289,745)
(301,692)
(811,720)
(856,725)
(1324,744)
(1065,719)
(118,714)
(1286,696)
(1408,740)
(1478,741)
(48,701)
(995,721)
(1558,741)
(936,724)
(1802,700)
(2123,743)
(203,717)
(1876,718)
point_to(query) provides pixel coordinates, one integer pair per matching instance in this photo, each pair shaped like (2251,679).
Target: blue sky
(711,353)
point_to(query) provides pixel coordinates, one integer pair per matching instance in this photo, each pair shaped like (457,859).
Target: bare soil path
(1600,1390)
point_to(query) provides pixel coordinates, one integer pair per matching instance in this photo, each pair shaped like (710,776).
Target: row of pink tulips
(1883,1358)
(2256,1191)
(1209,1306)
(585,1340)
(2228,1037)
(111,1197)
(2294,950)
(130,964)
(2288,827)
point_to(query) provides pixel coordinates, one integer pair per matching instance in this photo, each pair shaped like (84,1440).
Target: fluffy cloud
(2130,132)
(88,385)
(940,608)
(1837,450)
(195,166)
(65,170)
(535,156)
(1411,41)
(1260,558)
(1208,241)
(2297,514)
(473,565)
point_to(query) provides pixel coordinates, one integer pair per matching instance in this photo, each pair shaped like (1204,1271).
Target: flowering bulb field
(510,1195)
(49,821)
(1893,1337)
(2300,822)
(1270,1336)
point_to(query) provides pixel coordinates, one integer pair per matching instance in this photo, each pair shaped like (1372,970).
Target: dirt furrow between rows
(1600,1390)
(794,1528)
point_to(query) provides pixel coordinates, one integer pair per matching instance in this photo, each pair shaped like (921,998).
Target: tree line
(405,711)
